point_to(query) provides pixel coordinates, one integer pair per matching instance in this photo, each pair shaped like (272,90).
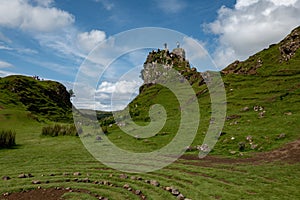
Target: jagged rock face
(290,44)
(153,72)
(160,64)
(180,52)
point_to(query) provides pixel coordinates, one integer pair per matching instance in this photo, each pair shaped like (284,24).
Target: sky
(53,38)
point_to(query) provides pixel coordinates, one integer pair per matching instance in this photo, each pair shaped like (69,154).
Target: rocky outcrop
(290,44)
(159,64)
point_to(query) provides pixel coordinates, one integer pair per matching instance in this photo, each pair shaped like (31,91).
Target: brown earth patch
(289,153)
(38,194)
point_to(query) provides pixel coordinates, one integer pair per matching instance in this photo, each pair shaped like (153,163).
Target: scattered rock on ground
(154,183)
(138,192)
(258,108)
(175,192)
(245,109)
(5,178)
(86,180)
(22,176)
(36,182)
(123,176)
(280,136)
(6,194)
(233,117)
(180,197)
(126,186)
(262,114)
(249,138)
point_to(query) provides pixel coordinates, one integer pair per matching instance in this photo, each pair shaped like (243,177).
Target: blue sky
(51,38)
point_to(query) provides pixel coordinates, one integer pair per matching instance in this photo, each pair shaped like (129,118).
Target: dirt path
(289,153)
(49,194)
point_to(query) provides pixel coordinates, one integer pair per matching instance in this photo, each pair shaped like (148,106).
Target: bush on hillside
(60,130)
(7,138)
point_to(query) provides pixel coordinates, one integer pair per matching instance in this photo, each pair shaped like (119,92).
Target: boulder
(36,182)
(245,109)
(5,178)
(175,192)
(22,176)
(180,197)
(123,176)
(126,186)
(138,192)
(154,183)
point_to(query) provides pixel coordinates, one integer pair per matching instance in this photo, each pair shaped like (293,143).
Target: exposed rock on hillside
(160,62)
(290,44)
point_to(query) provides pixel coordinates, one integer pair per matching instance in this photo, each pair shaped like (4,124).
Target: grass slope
(40,99)
(273,85)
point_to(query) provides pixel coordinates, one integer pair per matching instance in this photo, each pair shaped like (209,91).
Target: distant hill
(45,99)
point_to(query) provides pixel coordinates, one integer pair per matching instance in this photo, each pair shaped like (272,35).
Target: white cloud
(108,96)
(120,87)
(4,38)
(194,48)
(106,3)
(4,73)
(251,26)
(45,3)
(19,50)
(3,47)
(88,40)
(4,64)
(171,6)
(21,14)
(245,3)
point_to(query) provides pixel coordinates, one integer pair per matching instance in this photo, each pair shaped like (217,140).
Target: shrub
(104,129)
(7,138)
(60,130)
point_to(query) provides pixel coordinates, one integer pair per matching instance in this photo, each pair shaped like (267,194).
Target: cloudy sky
(51,38)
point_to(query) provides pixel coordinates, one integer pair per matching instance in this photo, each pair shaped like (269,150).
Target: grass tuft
(7,138)
(60,130)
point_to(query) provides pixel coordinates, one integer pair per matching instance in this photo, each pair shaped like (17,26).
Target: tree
(71,92)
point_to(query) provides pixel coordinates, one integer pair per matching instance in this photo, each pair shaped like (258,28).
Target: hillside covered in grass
(39,99)
(262,101)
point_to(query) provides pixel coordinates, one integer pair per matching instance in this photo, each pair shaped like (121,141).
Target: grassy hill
(268,80)
(39,100)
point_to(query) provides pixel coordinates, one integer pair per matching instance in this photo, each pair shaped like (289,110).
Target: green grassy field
(48,158)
